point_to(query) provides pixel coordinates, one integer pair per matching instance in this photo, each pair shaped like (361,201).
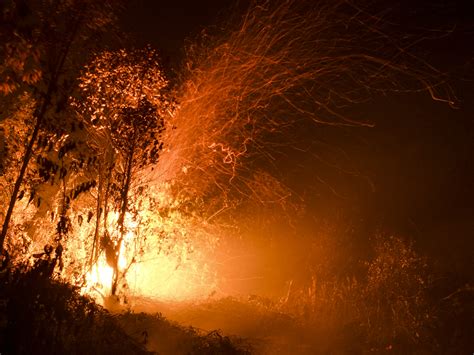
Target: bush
(42,315)
(385,308)
(398,314)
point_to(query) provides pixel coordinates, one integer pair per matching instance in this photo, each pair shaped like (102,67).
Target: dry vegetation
(388,307)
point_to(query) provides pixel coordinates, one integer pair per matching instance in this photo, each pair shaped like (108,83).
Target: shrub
(42,315)
(396,308)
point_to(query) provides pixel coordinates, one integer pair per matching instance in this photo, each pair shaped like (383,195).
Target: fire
(171,265)
(174,277)
(98,280)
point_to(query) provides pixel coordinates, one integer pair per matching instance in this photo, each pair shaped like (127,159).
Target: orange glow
(174,277)
(98,280)
(162,257)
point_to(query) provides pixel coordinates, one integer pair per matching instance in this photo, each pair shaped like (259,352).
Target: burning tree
(126,105)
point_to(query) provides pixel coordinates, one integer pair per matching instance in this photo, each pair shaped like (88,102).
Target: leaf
(32,196)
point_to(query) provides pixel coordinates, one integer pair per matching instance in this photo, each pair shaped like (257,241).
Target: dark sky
(420,154)
(166,24)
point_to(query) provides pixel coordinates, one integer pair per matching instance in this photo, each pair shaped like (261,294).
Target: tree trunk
(95,242)
(121,219)
(19,179)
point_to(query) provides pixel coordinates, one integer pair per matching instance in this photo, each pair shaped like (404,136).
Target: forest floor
(257,325)
(252,325)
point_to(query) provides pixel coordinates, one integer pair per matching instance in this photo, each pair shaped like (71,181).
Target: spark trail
(281,63)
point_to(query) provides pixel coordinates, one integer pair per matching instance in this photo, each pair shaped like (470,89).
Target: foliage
(385,308)
(331,316)
(397,308)
(14,129)
(37,34)
(124,95)
(51,37)
(85,174)
(42,315)
(20,64)
(167,337)
(74,158)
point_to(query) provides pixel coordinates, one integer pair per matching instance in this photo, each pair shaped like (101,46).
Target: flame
(98,279)
(153,267)
(174,277)
(168,277)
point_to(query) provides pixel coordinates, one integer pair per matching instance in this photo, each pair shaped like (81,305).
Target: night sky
(167,24)
(418,156)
